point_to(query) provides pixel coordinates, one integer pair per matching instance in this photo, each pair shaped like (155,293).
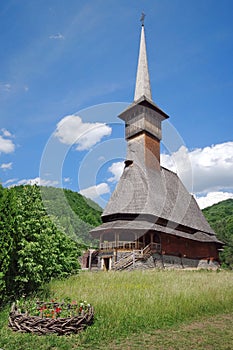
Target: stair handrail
(123,259)
(147,249)
(138,254)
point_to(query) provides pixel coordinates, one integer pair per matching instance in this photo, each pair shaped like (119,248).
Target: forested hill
(72,213)
(220,218)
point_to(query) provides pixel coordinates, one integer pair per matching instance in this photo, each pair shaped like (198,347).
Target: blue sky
(76,61)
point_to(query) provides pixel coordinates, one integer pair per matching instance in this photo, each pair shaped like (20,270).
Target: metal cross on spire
(142,18)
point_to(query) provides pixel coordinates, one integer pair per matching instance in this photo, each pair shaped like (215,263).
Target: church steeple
(142,87)
(143,117)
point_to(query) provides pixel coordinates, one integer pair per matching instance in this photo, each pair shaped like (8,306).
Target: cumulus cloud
(58,36)
(36,181)
(212,198)
(66,179)
(95,191)
(210,168)
(6,133)
(5,87)
(6,145)
(72,130)
(6,166)
(116,169)
(10,181)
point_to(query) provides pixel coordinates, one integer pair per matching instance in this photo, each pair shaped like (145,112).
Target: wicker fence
(22,322)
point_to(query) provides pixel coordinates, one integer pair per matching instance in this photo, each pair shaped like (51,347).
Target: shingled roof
(151,194)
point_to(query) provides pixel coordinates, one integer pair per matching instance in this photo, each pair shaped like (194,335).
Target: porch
(131,241)
(129,245)
(110,260)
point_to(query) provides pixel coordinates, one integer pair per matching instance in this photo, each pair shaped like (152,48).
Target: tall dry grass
(128,302)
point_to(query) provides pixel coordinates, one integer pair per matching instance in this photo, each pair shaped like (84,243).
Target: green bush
(33,249)
(6,237)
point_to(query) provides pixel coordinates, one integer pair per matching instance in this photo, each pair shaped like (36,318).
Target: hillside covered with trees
(220,218)
(35,246)
(74,214)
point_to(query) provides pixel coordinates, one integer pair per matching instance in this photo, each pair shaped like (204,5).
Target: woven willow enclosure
(23,322)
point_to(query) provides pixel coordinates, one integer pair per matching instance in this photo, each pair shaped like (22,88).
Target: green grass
(215,333)
(129,303)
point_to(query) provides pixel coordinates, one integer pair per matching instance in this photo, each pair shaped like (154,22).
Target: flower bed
(50,317)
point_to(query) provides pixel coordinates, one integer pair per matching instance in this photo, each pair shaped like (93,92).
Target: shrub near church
(33,250)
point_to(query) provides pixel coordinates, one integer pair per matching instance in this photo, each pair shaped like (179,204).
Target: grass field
(134,310)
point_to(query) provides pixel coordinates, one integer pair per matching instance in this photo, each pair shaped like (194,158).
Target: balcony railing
(120,245)
(128,246)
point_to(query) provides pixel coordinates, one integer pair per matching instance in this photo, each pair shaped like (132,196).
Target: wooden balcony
(120,245)
(125,245)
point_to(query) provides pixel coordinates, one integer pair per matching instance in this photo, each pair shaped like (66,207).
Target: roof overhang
(141,227)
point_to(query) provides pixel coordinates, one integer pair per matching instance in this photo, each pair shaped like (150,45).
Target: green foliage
(52,308)
(220,218)
(73,213)
(33,249)
(7,234)
(42,233)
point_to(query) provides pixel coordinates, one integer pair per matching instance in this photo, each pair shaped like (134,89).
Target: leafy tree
(35,246)
(7,233)
(220,217)
(37,251)
(43,251)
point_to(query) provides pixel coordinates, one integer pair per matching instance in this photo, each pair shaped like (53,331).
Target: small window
(128,163)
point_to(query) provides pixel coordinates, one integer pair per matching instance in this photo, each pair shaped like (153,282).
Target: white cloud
(10,181)
(212,198)
(6,145)
(116,169)
(6,166)
(95,191)
(58,36)
(66,179)
(5,87)
(36,181)
(6,133)
(209,168)
(72,130)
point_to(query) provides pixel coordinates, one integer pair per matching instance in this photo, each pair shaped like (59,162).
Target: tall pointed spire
(142,87)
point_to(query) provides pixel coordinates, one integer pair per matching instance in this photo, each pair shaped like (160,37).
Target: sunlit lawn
(128,303)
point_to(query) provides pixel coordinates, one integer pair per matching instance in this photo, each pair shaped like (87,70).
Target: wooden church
(151,220)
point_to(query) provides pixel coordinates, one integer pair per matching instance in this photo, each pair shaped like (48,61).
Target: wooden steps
(134,256)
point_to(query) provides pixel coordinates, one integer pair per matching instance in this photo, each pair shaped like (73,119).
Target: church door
(106,264)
